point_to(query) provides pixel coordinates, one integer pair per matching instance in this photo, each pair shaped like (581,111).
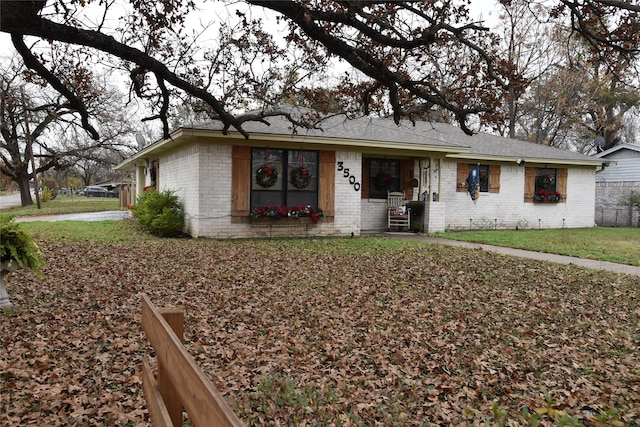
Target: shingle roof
(480,145)
(340,127)
(484,144)
(383,134)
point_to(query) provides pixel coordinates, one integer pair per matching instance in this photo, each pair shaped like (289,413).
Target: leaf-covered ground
(326,332)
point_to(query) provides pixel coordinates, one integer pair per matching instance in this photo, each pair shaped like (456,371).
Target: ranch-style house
(335,181)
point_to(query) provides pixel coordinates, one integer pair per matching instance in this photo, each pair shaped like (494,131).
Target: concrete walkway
(89,216)
(541,256)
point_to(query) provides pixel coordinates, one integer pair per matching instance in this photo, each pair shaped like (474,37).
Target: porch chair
(398,215)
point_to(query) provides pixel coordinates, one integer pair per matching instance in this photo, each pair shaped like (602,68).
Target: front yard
(364,331)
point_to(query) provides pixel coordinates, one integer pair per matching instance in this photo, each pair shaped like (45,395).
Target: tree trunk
(25,192)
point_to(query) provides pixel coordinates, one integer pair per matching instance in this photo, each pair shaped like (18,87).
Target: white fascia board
(528,160)
(151,150)
(257,139)
(182,135)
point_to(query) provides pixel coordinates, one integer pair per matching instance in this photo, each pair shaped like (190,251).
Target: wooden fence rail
(181,383)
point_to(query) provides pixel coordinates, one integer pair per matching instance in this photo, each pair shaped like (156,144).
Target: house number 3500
(346,174)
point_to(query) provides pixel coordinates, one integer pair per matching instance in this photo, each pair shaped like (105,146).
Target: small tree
(160,213)
(633,201)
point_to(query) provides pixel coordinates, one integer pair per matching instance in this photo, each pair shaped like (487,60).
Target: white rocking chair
(398,215)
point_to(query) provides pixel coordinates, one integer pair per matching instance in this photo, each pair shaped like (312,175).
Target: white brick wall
(178,173)
(507,208)
(348,194)
(201,176)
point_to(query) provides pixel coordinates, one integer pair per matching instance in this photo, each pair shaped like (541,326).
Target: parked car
(95,191)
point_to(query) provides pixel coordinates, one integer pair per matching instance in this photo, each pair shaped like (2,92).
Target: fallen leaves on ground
(325,332)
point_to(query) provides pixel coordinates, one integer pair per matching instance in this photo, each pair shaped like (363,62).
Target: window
(384,176)
(284,178)
(546,179)
(489,177)
(153,174)
(484,178)
(545,184)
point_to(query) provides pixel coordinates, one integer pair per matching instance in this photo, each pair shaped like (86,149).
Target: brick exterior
(609,211)
(507,209)
(201,176)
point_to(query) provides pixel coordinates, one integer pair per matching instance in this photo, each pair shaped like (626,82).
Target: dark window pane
(302,171)
(546,179)
(384,176)
(260,199)
(266,169)
(484,178)
(297,178)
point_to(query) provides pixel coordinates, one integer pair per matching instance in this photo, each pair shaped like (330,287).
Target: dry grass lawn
(326,332)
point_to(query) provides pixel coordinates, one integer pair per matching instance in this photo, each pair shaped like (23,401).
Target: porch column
(140,180)
(434,211)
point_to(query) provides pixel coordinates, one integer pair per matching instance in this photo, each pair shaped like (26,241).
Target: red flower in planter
(547,196)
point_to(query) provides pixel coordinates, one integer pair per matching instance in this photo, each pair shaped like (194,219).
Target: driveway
(10,200)
(89,216)
(14,200)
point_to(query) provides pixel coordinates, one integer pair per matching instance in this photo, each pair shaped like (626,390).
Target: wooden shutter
(240,181)
(406,167)
(561,186)
(366,173)
(494,179)
(327,185)
(529,184)
(461,181)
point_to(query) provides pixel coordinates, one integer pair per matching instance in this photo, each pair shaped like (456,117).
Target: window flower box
(546,196)
(274,213)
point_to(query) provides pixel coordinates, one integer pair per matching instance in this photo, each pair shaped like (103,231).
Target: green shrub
(47,195)
(18,245)
(160,213)
(49,189)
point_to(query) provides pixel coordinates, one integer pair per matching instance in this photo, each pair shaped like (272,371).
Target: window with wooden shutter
(544,185)
(322,184)
(494,179)
(327,188)
(240,181)
(366,172)
(529,184)
(461,181)
(563,173)
(406,171)
(379,176)
(488,181)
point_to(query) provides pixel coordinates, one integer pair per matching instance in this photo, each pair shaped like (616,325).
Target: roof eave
(177,137)
(146,152)
(526,160)
(330,141)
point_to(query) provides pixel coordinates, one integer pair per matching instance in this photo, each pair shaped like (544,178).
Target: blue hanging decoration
(473,182)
